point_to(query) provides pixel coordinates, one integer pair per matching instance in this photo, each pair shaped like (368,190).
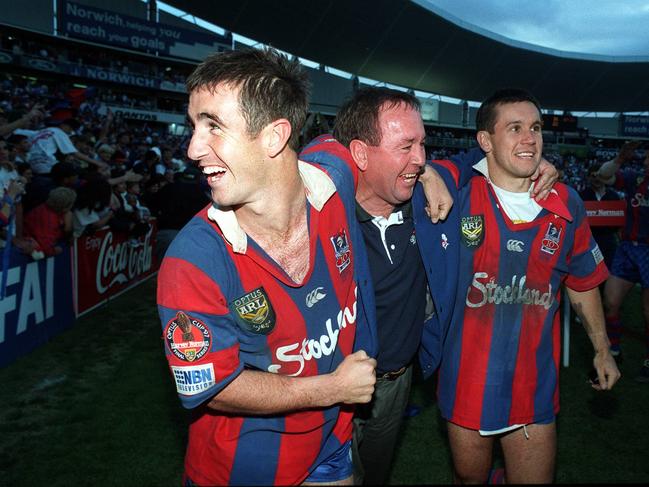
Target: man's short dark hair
(271,86)
(358,118)
(487,113)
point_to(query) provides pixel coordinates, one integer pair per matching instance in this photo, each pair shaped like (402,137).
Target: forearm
(588,306)
(89,160)
(260,393)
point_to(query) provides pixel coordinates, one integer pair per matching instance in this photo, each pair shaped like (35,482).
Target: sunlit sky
(581,27)
(604,27)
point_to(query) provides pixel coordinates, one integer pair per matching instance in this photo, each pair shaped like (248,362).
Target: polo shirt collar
(553,203)
(404,208)
(318,187)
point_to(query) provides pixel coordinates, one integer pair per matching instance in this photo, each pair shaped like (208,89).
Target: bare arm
(258,393)
(608,169)
(588,305)
(22,122)
(439,199)
(90,160)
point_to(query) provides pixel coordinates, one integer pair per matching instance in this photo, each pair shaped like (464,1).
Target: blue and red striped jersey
(501,356)
(636,189)
(224,310)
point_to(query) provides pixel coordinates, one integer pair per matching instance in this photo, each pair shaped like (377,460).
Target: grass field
(96,406)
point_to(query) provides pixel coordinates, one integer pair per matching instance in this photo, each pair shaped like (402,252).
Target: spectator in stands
(175,204)
(92,208)
(105,153)
(631,261)
(34,115)
(606,237)
(62,174)
(18,148)
(47,143)
(150,164)
(50,223)
(170,162)
(25,170)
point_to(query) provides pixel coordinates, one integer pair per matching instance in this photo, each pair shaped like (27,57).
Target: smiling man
(499,371)
(262,296)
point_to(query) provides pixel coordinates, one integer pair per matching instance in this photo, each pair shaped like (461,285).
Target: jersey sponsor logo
(485,290)
(255,312)
(515,245)
(639,200)
(597,254)
(314,296)
(193,379)
(472,230)
(315,348)
(187,338)
(552,239)
(341,249)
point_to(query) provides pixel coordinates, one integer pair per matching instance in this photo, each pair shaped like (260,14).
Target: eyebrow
(211,116)
(520,122)
(205,115)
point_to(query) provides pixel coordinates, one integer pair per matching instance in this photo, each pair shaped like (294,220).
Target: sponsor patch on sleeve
(597,255)
(193,379)
(187,338)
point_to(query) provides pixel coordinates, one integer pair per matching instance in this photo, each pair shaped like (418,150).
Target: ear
(484,139)
(276,136)
(358,149)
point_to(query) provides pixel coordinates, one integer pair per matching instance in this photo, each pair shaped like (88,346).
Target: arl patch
(341,249)
(551,240)
(472,229)
(254,312)
(187,338)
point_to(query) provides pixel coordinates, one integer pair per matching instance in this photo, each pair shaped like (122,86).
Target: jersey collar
(318,188)
(553,203)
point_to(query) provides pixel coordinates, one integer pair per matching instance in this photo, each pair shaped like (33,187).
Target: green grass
(96,406)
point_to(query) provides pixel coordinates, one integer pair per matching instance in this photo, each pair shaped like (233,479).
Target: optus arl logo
(254,312)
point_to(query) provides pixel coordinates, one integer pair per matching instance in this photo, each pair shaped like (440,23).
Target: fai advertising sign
(109,263)
(127,32)
(605,213)
(37,303)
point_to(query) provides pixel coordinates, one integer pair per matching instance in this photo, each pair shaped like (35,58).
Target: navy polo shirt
(399,284)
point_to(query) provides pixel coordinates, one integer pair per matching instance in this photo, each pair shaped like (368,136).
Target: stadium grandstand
(107,81)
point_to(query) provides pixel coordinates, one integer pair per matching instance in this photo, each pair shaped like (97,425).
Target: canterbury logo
(314,296)
(515,245)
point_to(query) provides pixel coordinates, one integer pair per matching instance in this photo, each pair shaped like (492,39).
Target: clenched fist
(354,379)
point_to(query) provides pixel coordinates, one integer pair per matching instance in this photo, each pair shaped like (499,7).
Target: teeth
(410,175)
(212,170)
(525,154)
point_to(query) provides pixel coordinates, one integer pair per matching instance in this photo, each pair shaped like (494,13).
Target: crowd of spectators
(68,167)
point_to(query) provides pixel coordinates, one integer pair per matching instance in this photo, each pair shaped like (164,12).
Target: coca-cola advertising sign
(108,263)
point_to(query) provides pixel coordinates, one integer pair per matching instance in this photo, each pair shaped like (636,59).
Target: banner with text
(127,32)
(37,304)
(635,125)
(108,263)
(606,213)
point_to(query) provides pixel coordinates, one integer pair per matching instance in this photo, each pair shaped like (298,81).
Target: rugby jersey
(636,189)
(500,360)
(225,306)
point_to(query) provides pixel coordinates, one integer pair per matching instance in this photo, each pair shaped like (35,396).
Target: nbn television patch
(193,379)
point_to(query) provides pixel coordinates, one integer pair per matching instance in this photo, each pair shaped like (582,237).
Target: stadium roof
(403,43)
